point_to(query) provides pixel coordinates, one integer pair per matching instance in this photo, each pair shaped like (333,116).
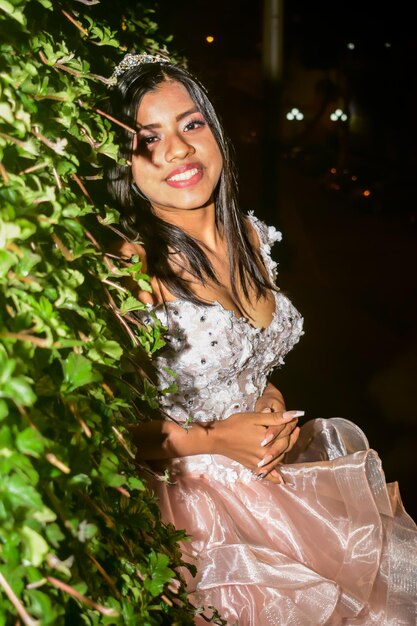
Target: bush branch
(59,584)
(23,614)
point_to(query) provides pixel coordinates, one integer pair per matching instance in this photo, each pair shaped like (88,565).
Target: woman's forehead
(169,98)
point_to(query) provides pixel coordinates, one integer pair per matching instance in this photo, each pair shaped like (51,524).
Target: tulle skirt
(333,545)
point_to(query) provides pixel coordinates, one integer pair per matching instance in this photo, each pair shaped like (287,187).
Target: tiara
(132,60)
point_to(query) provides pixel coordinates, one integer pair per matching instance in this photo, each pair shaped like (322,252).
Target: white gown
(331,546)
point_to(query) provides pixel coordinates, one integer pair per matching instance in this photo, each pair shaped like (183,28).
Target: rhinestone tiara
(132,60)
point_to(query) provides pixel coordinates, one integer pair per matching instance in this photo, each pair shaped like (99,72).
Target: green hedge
(81,541)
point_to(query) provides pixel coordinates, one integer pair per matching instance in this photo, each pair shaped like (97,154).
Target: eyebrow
(178,119)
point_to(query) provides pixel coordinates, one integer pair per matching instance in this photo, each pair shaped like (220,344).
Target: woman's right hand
(242,437)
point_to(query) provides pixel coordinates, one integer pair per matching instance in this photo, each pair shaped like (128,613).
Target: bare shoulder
(125,250)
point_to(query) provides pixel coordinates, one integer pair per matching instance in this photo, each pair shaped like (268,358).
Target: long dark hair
(159,238)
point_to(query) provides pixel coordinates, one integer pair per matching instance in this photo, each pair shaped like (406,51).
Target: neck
(198,223)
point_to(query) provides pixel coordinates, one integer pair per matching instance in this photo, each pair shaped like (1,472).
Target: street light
(338,116)
(295,114)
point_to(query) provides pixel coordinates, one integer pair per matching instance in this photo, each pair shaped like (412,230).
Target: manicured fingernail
(266,460)
(267,440)
(290,415)
(260,476)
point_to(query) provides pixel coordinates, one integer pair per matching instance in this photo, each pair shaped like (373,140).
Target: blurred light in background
(209,38)
(338,116)
(295,114)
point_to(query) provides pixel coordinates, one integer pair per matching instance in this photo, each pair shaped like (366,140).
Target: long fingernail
(266,460)
(267,440)
(290,415)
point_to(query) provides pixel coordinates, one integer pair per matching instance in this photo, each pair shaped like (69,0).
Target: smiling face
(176,162)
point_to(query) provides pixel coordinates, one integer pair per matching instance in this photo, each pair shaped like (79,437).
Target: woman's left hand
(271,401)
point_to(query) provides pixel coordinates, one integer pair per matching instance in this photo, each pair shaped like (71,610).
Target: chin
(190,205)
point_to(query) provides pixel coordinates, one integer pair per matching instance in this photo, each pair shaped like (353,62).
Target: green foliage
(81,540)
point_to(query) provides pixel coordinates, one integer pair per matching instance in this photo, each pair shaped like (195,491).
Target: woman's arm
(240,437)
(162,439)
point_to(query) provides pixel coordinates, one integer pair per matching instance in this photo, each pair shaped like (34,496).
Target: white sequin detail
(224,470)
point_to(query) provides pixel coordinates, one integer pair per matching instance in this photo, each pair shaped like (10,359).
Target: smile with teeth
(184,175)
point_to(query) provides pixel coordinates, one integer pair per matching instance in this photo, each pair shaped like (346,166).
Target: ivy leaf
(78,371)
(131,304)
(46,3)
(159,572)
(135,483)
(45,515)
(27,228)
(4,409)
(144,285)
(7,259)
(112,217)
(109,470)
(7,366)
(17,15)
(36,547)
(41,606)
(5,109)
(29,441)
(21,493)
(110,347)
(54,534)
(19,390)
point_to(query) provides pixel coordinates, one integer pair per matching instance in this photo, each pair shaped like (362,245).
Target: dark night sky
(323,26)
(382,68)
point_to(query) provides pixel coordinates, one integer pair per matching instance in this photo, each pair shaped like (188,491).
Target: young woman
(289,526)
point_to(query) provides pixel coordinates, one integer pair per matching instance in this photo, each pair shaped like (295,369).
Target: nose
(178,148)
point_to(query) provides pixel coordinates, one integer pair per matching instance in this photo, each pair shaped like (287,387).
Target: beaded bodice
(221,362)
